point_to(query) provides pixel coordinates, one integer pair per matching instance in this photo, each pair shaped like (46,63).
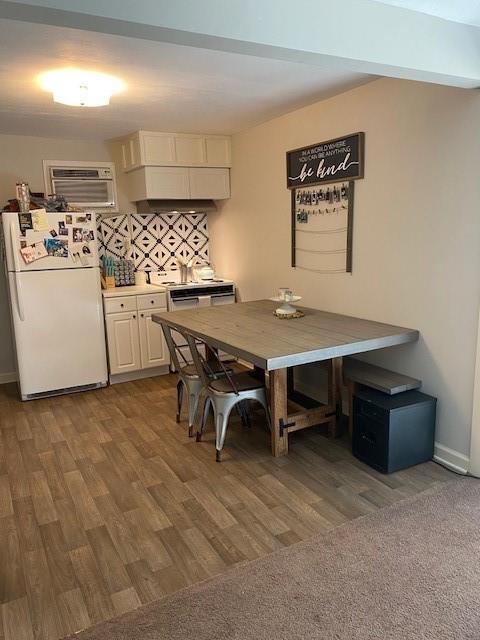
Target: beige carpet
(409,572)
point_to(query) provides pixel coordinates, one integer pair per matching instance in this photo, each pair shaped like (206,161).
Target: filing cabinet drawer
(152,301)
(371,411)
(117,305)
(370,441)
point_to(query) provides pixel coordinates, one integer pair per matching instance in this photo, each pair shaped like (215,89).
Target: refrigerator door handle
(13,246)
(18,296)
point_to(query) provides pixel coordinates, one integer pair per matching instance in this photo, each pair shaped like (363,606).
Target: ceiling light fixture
(79,88)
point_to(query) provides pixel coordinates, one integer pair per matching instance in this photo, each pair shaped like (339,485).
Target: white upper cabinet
(178,183)
(190,151)
(157,149)
(131,156)
(158,183)
(209,183)
(218,151)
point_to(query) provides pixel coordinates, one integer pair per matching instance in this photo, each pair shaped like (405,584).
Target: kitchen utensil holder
(108,282)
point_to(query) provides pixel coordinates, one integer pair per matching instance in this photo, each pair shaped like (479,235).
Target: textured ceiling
(465,11)
(169,87)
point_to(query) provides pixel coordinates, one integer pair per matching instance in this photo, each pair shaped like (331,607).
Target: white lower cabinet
(123,342)
(153,350)
(135,342)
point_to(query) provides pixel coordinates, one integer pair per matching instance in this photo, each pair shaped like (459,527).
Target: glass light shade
(77,88)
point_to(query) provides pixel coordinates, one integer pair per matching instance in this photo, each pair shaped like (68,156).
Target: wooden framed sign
(335,160)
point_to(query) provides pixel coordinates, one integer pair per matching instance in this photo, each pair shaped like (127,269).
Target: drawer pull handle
(134,317)
(141,315)
(152,301)
(121,304)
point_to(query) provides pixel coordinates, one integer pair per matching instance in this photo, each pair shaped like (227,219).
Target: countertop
(135,290)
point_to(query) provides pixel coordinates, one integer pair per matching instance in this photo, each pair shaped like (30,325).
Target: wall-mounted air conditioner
(89,185)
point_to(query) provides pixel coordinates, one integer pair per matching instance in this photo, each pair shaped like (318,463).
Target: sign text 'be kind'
(331,161)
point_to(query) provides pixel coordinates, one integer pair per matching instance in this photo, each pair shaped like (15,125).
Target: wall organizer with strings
(321,178)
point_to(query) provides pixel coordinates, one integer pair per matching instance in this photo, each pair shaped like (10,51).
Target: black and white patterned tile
(144,241)
(156,239)
(100,243)
(114,233)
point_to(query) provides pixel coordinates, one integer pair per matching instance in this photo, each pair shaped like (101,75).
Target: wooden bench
(356,372)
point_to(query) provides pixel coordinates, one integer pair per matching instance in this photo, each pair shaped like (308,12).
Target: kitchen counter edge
(133,290)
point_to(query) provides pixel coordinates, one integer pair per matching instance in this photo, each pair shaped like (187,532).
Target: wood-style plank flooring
(106,504)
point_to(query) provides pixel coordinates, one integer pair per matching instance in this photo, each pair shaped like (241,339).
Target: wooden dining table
(251,332)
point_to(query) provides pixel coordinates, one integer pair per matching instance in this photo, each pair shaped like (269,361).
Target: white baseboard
(139,375)
(8,377)
(451,459)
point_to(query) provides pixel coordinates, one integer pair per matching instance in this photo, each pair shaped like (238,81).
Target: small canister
(140,278)
(22,192)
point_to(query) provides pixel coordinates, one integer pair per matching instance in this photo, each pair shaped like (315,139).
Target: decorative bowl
(287,309)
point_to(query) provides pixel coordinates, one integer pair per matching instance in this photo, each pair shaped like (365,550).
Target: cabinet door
(153,348)
(166,182)
(190,150)
(123,342)
(131,153)
(209,183)
(158,148)
(218,150)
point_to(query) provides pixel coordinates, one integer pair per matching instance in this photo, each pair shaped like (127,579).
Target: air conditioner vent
(87,185)
(75,173)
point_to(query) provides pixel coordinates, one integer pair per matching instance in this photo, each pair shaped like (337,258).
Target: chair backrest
(203,365)
(176,353)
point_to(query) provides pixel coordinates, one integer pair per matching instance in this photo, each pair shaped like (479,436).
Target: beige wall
(416,258)
(21,159)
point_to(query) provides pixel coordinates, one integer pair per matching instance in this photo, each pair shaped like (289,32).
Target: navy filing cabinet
(393,432)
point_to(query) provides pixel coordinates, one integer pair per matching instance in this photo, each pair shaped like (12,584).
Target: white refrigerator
(55,302)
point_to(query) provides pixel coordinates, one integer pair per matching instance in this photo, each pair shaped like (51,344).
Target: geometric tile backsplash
(155,238)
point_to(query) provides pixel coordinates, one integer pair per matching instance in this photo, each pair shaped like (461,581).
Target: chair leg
(206,410)
(260,396)
(242,409)
(221,421)
(179,400)
(264,402)
(192,410)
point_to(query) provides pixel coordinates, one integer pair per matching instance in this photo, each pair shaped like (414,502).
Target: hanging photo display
(322,223)
(330,161)
(321,178)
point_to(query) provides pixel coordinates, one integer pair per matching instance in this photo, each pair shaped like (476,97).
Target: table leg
(290,381)
(335,395)
(278,411)
(259,373)
(210,353)
(352,389)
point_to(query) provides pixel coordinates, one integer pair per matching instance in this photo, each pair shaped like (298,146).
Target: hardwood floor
(106,504)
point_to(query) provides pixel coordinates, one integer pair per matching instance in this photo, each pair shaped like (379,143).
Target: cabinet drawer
(370,442)
(370,410)
(152,301)
(124,303)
